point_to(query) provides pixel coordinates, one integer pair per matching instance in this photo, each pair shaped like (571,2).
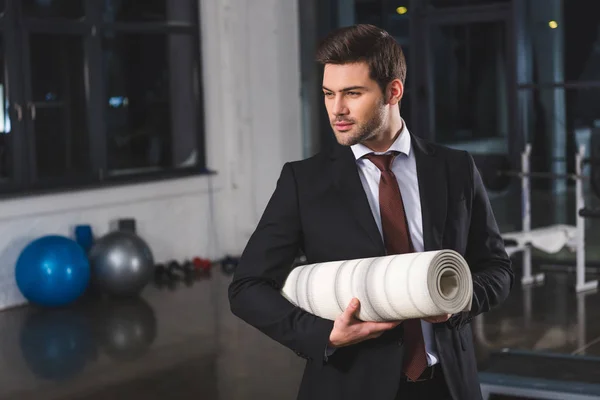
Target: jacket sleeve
(490,265)
(254,293)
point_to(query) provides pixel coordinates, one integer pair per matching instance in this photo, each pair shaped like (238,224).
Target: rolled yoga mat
(395,287)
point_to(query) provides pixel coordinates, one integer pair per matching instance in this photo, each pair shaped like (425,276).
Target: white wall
(252,114)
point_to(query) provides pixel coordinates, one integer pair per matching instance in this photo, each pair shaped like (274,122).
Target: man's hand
(438,319)
(348,330)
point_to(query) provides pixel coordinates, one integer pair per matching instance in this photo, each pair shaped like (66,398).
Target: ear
(395,91)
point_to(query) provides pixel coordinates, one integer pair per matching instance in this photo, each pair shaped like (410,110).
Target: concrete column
(183,84)
(548,51)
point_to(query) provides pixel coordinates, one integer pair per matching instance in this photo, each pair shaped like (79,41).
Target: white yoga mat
(396,287)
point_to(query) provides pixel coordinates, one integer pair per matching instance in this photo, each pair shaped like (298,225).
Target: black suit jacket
(319,207)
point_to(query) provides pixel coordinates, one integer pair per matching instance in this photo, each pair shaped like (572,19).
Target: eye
(354,94)
(328,94)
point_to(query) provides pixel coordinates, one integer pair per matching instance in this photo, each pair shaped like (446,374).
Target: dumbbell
(177,270)
(189,272)
(160,273)
(229,264)
(202,264)
(165,276)
(188,267)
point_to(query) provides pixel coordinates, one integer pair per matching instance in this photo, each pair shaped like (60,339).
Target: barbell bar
(542,175)
(589,212)
(496,171)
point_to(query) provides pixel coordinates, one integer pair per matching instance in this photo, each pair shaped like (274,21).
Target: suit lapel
(351,193)
(433,193)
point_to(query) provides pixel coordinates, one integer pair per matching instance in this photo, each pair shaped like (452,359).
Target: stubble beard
(364,131)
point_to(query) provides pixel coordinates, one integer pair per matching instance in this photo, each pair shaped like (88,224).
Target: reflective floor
(183,343)
(178,343)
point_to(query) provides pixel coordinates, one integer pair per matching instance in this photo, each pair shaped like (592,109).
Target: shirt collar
(401,144)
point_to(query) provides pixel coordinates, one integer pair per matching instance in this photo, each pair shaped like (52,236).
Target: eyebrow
(347,89)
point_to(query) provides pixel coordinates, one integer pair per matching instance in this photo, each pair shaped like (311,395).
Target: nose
(339,106)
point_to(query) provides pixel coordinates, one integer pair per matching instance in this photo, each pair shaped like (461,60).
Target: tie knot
(382,161)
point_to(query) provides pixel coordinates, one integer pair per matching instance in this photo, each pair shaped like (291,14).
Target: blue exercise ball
(52,271)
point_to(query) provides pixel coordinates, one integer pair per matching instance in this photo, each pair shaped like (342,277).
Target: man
(380,190)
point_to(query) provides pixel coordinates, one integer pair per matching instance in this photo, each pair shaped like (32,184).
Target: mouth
(343,126)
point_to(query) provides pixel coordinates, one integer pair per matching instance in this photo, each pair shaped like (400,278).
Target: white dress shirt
(405,169)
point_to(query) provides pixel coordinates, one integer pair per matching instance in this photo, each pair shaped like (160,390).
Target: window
(98,92)
(394,18)
(559,81)
(469,75)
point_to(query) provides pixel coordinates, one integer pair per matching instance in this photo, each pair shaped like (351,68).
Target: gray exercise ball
(122,264)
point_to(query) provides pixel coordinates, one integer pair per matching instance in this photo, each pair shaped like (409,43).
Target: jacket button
(300,354)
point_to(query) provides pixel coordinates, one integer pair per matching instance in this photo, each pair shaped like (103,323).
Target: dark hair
(366,43)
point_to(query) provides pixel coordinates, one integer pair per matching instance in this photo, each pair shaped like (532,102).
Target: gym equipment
(52,271)
(202,263)
(496,173)
(197,268)
(540,375)
(551,238)
(191,267)
(160,270)
(56,344)
(229,264)
(182,272)
(590,212)
(126,225)
(84,237)
(595,160)
(165,282)
(175,270)
(188,268)
(128,328)
(394,287)
(188,272)
(122,264)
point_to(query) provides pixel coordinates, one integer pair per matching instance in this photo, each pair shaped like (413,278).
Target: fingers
(380,327)
(368,328)
(348,330)
(350,311)
(437,319)
(384,326)
(374,335)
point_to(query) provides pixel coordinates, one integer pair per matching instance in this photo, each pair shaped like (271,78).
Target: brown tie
(397,241)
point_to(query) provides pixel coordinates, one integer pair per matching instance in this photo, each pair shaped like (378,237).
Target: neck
(383,140)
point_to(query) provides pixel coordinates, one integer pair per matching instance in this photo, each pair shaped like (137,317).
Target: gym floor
(183,343)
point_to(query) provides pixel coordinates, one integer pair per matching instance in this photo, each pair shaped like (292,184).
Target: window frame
(16,28)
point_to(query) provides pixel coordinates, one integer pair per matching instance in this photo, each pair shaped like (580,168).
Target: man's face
(354,102)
